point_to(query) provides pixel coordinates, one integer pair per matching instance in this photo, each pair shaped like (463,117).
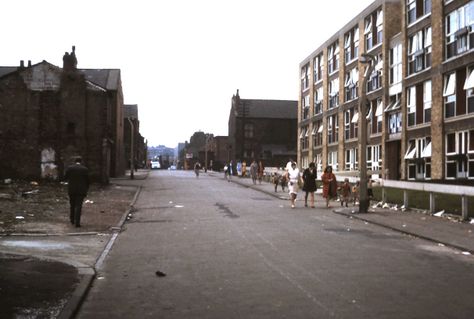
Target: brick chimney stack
(70,60)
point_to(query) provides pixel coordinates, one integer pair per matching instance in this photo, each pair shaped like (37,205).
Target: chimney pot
(22,64)
(29,63)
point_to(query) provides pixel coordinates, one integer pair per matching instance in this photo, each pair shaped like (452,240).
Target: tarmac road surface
(205,248)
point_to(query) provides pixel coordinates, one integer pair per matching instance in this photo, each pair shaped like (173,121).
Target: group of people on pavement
(331,188)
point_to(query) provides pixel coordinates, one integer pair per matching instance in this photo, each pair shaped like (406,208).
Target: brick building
(420,92)
(50,114)
(132,123)
(262,129)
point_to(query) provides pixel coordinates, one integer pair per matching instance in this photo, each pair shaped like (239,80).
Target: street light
(367,59)
(132,157)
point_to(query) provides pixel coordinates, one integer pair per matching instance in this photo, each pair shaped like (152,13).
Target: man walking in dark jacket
(77,176)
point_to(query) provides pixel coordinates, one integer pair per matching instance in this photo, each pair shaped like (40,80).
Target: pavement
(35,284)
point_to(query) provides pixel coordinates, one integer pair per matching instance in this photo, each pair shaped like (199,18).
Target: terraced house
(420,93)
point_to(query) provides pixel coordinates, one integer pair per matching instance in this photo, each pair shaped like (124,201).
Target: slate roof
(130,110)
(107,78)
(276,109)
(4,70)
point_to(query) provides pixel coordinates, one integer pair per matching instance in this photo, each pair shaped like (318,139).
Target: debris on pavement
(160,274)
(439,214)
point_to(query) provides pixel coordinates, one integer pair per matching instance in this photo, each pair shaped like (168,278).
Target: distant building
(420,93)
(263,129)
(132,123)
(50,114)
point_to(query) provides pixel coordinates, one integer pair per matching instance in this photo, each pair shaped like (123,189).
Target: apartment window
(351,84)
(460,155)
(418,157)
(394,114)
(417,9)
(305,77)
(375,78)
(460,30)
(373,29)
(305,107)
(318,160)
(333,128)
(334,93)
(333,57)
(427,102)
(469,88)
(318,65)
(396,64)
(351,45)
(351,118)
(304,137)
(332,160)
(419,48)
(411,106)
(318,133)
(378,117)
(374,157)
(352,159)
(248,130)
(450,95)
(318,100)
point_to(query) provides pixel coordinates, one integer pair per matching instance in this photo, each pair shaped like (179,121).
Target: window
(305,107)
(351,84)
(417,9)
(351,45)
(347,124)
(248,130)
(305,77)
(334,93)
(418,157)
(318,160)
(411,106)
(374,158)
(318,65)
(373,29)
(459,31)
(332,160)
(318,133)
(378,117)
(460,155)
(318,100)
(396,64)
(395,123)
(352,159)
(333,57)
(304,137)
(469,88)
(419,51)
(375,79)
(427,102)
(449,95)
(333,128)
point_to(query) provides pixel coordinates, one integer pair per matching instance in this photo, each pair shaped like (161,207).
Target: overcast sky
(180,60)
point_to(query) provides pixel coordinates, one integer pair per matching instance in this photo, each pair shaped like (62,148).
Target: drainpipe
(132,166)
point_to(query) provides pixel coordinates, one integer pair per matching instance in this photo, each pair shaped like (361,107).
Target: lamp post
(132,166)
(367,59)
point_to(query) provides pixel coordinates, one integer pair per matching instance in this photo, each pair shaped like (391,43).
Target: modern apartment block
(420,93)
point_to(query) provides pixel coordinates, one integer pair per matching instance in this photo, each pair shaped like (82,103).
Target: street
(206,248)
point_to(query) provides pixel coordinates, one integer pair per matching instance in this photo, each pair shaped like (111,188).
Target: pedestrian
(228,171)
(239,168)
(261,170)
(355,193)
(254,171)
(197,167)
(345,192)
(283,182)
(294,177)
(244,169)
(77,176)
(309,184)
(329,184)
(276,180)
(288,165)
(370,192)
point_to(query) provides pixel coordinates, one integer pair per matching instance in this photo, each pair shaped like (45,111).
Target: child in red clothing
(345,192)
